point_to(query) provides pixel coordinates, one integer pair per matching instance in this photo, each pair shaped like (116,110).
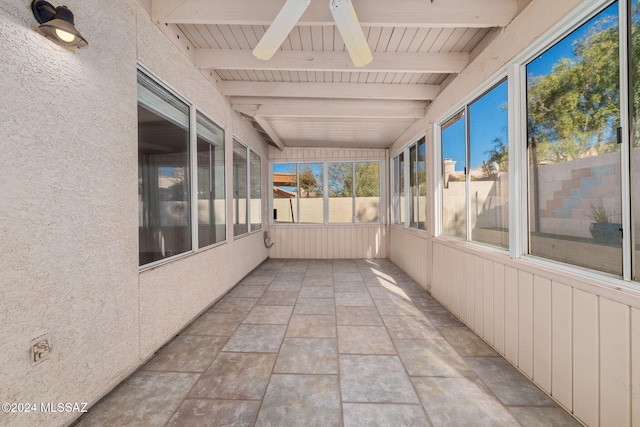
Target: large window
(350,193)
(211,188)
(454,176)
(573,114)
(255,207)
(475,185)
(247,190)
(166,176)
(410,198)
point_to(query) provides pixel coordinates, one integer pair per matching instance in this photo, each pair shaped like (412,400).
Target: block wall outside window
(475,178)
(573,113)
(247,190)
(326,192)
(411,198)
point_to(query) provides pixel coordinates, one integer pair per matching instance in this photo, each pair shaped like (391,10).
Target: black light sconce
(56,24)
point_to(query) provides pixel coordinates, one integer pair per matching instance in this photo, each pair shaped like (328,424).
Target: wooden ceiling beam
(416,92)
(383,62)
(329,108)
(408,13)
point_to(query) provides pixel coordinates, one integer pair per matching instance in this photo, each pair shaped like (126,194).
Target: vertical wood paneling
(542,332)
(462,285)
(635,366)
(498,307)
(561,344)
(487,303)
(455,285)
(451,284)
(525,322)
(438,272)
(471,278)
(478,297)
(585,357)
(615,363)
(328,242)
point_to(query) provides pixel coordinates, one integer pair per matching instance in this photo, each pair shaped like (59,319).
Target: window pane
(395,190)
(488,156)
(422,184)
(285,193)
(367,192)
(239,189)
(414,206)
(454,162)
(341,192)
(211,207)
(635,143)
(574,160)
(163,173)
(256,192)
(311,193)
(401,190)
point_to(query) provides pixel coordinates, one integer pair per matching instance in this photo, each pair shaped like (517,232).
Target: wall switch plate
(40,349)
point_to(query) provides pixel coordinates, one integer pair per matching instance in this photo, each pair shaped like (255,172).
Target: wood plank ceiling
(310,94)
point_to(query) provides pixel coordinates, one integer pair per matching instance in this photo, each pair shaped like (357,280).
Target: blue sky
(488,115)
(316,168)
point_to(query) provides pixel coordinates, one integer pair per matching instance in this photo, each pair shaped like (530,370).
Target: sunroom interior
(488,150)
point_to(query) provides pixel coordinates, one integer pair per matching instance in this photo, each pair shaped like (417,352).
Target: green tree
(341,179)
(573,110)
(498,154)
(309,183)
(367,179)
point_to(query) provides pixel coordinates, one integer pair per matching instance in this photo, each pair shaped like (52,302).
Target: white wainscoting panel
(581,348)
(498,307)
(542,332)
(615,363)
(408,250)
(525,323)
(635,366)
(511,290)
(329,242)
(586,357)
(561,344)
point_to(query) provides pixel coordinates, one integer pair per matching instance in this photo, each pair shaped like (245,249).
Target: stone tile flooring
(327,343)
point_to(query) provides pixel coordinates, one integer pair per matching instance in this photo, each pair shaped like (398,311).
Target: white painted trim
(436,176)
(572,21)
(626,98)
(193,184)
(518,164)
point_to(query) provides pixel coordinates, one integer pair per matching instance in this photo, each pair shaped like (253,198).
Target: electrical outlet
(40,349)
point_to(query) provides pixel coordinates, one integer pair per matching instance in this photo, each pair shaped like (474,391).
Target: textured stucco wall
(176,292)
(69,209)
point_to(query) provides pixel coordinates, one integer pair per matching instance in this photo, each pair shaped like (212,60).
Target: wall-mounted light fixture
(56,24)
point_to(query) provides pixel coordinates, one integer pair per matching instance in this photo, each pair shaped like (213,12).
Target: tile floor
(327,343)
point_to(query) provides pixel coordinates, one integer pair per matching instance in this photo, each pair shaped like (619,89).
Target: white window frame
(193,173)
(395,203)
(515,72)
(325,193)
(249,151)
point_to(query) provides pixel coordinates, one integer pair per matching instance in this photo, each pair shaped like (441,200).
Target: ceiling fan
(343,14)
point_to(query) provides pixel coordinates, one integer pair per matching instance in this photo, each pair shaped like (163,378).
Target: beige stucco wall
(69,208)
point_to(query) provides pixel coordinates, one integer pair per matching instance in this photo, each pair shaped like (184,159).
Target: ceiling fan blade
(280,28)
(347,22)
